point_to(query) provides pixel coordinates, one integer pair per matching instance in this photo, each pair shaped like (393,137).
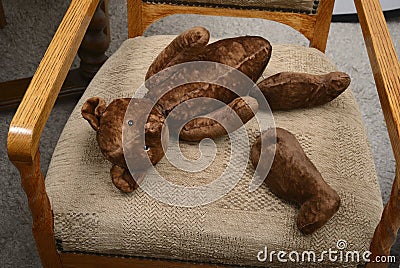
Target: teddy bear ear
(92,110)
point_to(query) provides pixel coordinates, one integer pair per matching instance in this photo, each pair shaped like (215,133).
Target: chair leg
(386,231)
(2,16)
(96,42)
(33,183)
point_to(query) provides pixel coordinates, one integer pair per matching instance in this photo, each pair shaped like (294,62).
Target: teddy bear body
(148,131)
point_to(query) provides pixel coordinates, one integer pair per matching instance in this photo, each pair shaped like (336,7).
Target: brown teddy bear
(249,55)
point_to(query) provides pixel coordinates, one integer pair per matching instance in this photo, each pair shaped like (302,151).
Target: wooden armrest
(33,112)
(386,69)
(384,64)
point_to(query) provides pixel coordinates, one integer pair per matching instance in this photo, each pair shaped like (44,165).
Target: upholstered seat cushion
(91,215)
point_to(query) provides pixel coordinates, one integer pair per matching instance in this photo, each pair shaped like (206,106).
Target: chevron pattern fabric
(297,6)
(91,215)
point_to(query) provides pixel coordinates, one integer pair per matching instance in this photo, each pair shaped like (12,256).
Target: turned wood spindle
(95,43)
(3,21)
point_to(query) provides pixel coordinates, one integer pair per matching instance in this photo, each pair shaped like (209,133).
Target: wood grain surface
(386,69)
(31,116)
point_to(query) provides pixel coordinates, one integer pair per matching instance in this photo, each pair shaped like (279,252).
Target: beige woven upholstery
(91,215)
(300,6)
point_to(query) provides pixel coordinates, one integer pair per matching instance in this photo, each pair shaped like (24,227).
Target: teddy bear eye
(146,148)
(130,123)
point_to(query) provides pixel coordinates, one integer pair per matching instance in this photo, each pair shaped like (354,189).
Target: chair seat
(92,216)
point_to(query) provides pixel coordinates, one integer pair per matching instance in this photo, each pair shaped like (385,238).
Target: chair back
(312,18)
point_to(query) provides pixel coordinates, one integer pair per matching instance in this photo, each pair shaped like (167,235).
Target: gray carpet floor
(31,25)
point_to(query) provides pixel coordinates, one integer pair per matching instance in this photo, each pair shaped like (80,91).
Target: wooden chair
(32,114)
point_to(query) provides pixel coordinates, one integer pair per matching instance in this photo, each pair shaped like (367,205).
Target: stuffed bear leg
(189,40)
(213,124)
(290,90)
(293,177)
(123,180)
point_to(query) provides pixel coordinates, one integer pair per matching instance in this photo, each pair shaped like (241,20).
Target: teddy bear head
(144,136)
